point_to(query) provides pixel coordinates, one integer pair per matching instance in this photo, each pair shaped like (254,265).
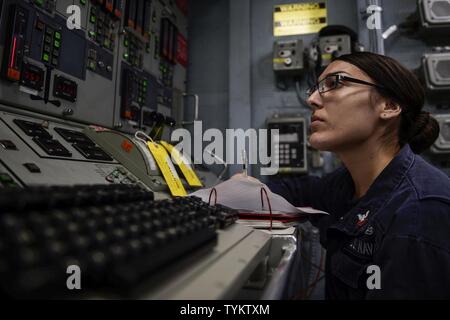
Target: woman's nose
(315,100)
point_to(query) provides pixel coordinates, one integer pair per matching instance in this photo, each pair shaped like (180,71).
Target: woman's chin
(319,142)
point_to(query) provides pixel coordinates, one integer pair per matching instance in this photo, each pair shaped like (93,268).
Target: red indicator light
(13,53)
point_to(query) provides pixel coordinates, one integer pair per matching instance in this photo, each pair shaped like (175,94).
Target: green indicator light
(83,2)
(4,178)
(46,57)
(125,56)
(57,35)
(57,44)
(93,19)
(92,65)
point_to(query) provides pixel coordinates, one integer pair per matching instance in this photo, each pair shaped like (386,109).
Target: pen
(244,163)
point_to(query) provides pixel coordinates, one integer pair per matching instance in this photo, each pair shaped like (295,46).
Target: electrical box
(288,57)
(436,72)
(290,152)
(442,143)
(435,15)
(333,46)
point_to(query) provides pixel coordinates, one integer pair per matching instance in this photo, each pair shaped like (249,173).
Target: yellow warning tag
(182,162)
(169,172)
(299,18)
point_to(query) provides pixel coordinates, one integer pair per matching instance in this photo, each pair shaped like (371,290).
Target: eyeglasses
(331,82)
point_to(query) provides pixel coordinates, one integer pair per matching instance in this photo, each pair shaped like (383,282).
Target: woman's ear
(390,110)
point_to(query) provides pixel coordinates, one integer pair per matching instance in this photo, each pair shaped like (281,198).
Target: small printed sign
(299,18)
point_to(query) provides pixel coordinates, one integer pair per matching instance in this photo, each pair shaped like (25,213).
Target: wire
(299,95)
(316,281)
(319,267)
(312,77)
(281,84)
(306,292)
(313,286)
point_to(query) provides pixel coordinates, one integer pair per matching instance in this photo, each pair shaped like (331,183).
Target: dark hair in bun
(423,133)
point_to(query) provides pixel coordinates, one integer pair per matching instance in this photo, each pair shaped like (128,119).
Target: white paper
(265,224)
(244,193)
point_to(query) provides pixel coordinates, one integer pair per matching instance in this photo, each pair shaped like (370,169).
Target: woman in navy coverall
(388,207)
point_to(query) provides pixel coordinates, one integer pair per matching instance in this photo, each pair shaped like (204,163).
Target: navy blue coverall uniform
(401,225)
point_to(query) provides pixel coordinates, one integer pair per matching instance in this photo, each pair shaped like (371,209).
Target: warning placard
(299,18)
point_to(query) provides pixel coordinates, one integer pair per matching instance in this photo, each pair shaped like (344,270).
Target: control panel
(333,46)
(46,151)
(290,152)
(124,57)
(288,57)
(135,155)
(117,68)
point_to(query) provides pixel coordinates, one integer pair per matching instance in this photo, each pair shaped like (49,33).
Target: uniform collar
(379,192)
(389,179)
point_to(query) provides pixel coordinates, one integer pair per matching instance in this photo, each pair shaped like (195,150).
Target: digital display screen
(65,89)
(32,77)
(288,137)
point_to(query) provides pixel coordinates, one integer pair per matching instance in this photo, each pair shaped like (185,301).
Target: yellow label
(183,164)
(278,60)
(326,56)
(169,172)
(299,18)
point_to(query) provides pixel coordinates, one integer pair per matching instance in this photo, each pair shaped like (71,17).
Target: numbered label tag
(147,155)
(183,163)
(169,172)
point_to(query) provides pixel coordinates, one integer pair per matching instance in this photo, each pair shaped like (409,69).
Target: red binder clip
(213,190)
(268,202)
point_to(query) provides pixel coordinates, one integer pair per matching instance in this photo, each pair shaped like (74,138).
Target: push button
(8,145)
(33,168)
(40,25)
(5,178)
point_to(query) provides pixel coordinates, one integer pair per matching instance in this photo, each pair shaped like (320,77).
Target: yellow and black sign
(299,18)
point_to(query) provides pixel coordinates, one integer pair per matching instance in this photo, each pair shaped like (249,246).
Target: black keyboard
(117,235)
